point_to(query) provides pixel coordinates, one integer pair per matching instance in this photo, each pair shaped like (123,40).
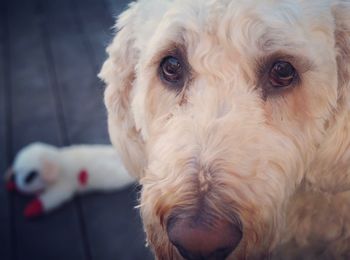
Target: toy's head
(35,167)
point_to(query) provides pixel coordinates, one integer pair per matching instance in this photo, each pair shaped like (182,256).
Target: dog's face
(219,107)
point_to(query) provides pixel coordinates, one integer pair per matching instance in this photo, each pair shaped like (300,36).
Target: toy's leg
(48,200)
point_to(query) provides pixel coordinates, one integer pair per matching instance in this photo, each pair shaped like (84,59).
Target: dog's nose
(196,241)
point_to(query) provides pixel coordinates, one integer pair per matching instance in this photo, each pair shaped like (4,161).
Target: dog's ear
(341,12)
(118,72)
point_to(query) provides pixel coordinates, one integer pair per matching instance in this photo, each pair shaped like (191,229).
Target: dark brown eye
(172,71)
(282,74)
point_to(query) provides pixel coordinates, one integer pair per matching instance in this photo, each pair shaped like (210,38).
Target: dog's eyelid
(175,50)
(301,63)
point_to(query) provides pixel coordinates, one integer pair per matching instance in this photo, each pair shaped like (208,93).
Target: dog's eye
(172,71)
(282,74)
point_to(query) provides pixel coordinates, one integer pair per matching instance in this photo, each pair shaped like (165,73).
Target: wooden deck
(50,53)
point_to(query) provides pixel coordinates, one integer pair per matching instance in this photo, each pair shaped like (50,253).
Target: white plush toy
(56,174)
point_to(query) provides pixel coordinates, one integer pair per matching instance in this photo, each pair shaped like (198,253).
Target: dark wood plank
(3,90)
(112,224)
(82,101)
(97,19)
(55,236)
(116,7)
(5,217)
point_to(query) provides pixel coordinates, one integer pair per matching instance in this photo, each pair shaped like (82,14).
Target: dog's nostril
(30,177)
(201,241)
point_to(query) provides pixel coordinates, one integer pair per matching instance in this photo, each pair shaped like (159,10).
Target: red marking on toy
(11,186)
(34,209)
(83,178)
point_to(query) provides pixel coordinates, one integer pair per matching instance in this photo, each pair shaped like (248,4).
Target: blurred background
(50,54)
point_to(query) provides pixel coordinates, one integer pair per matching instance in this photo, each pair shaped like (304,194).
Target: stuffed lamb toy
(56,174)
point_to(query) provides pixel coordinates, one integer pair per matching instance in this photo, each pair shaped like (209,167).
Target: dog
(224,110)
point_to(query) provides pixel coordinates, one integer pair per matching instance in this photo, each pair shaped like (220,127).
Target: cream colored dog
(229,112)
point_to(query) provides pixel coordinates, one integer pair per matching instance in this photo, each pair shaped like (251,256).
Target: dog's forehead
(210,11)
(248,24)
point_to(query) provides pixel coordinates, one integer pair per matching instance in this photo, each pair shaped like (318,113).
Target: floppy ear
(50,171)
(341,12)
(118,72)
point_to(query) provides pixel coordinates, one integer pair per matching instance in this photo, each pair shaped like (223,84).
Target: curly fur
(222,145)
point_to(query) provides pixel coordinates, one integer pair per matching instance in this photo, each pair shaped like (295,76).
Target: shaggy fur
(224,144)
